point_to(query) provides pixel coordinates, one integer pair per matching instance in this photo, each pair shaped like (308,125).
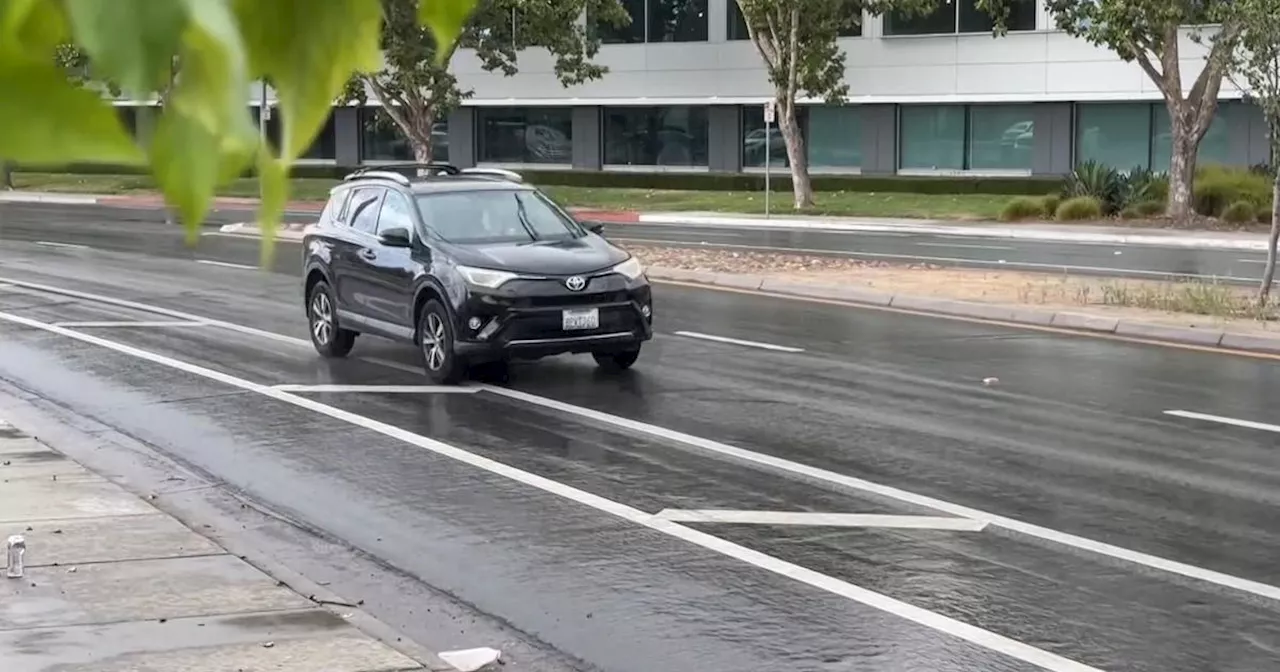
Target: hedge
(1006,186)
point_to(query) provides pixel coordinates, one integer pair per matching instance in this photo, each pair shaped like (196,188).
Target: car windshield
(495,216)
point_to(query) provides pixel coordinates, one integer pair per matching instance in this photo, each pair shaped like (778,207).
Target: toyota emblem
(575,283)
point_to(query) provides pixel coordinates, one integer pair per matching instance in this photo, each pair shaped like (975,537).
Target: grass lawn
(837,203)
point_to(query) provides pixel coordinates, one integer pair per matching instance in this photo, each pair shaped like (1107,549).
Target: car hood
(545,257)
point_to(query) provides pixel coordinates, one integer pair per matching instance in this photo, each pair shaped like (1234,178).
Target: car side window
(364,209)
(335,208)
(395,213)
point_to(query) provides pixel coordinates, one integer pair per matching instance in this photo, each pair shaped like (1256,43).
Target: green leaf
(445,18)
(273,178)
(131,42)
(308,68)
(30,26)
(45,119)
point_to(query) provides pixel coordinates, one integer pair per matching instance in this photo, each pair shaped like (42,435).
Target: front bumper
(524,319)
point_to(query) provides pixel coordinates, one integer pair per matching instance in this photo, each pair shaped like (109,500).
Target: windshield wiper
(523,215)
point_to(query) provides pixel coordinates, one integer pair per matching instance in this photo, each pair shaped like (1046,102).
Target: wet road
(1059,520)
(132,229)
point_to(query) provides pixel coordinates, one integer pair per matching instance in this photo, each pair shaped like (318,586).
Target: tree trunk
(1182,170)
(1269,273)
(418,133)
(796,156)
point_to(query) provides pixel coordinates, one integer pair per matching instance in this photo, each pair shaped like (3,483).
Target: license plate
(580,319)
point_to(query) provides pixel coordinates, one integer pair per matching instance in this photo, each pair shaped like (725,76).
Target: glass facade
(658,21)
(931,137)
(1215,147)
(835,136)
(1129,135)
(525,135)
(960,16)
(655,136)
(1001,137)
(323,148)
(737,24)
(381,139)
(757,141)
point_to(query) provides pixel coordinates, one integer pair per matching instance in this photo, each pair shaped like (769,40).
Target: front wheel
(616,361)
(328,339)
(435,339)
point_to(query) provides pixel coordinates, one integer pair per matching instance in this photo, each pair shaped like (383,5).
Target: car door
(386,273)
(350,251)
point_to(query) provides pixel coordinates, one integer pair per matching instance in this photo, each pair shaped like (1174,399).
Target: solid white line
(1155,562)
(780,464)
(126,323)
(1250,424)
(69,246)
(968,246)
(820,519)
(226,264)
(379,389)
(939,622)
(1251,261)
(735,341)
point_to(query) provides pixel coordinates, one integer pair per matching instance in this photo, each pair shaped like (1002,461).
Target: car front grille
(548,324)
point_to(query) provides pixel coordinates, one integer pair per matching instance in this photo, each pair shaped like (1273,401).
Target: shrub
(1096,180)
(1079,208)
(1150,208)
(1130,212)
(1240,212)
(1023,207)
(1049,206)
(1140,185)
(1217,187)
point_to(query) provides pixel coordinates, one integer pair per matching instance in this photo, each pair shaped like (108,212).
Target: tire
(616,361)
(328,338)
(435,342)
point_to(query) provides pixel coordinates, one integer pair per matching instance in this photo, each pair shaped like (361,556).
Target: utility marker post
(770,115)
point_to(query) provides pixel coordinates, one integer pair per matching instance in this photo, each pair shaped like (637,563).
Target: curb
(288,231)
(998,233)
(1016,315)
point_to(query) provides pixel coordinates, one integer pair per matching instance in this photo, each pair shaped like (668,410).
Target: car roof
(442,178)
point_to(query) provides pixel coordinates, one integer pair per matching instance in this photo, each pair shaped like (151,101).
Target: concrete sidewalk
(112,584)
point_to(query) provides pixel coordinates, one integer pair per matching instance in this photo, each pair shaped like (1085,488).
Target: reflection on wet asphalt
(1072,439)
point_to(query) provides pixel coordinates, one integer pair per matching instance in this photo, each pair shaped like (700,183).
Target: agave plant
(1091,178)
(1142,185)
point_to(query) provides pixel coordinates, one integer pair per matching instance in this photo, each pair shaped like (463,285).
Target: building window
(737,23)
(1138,135)
(835,136)
(658,21)
(323,148)
(678,20)
(1001,137)
(381,139)
(757,141)
(526,135)
(1215,147)
(931,137)
(960,16)
(655,136)
(632,33)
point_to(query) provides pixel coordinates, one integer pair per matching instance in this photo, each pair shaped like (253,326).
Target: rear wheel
(435,340)
(328,339)
(616,361)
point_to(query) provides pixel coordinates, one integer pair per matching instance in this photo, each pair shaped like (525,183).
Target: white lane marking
(970,633)
(820,519)
(126,323)
(226,264)
(69,246)
(1251,261)
(960,260)
(394,365)
(804,470)
(1250,424)
(379,389)
(157,310)
(1155,562)
(968,246)
(736,341)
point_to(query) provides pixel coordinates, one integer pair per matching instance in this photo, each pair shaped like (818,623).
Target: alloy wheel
(321,318)
(434,342)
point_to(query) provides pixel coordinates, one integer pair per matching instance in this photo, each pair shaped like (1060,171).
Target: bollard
(17,548)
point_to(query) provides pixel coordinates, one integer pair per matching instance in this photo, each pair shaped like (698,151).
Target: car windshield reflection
(495,216)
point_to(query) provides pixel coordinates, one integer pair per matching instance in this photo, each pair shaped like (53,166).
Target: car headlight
(630,269)
(484,277)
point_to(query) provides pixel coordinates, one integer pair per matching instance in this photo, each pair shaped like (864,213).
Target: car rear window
(495,216)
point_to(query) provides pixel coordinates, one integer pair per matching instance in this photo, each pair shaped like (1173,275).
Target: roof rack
(390,171)
(501,173)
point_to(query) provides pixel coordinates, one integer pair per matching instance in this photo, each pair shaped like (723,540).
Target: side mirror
(397,237)
(596,228)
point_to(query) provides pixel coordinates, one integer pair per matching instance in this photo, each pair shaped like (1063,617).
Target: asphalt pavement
(121,228)
(845,494)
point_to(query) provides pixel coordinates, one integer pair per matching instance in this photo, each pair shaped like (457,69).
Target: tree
(206,136)
(1147,32)
(414,85)
(1255,70)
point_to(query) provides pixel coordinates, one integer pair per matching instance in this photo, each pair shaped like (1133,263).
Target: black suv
(474,267)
